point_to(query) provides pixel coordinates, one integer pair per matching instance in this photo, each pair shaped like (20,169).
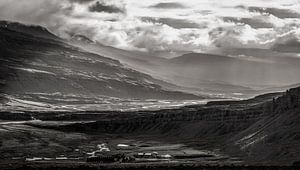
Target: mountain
(137,60)
(38,66)
(243,67)
(143,62)
(174,76)
(199,58)
(282,88)
(238,72)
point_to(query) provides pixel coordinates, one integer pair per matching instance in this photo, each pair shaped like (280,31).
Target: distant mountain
(199,58)
(34,62)
(242,67)
(143,62)
(238,72)
(174,75)
(137,60)
(282,88)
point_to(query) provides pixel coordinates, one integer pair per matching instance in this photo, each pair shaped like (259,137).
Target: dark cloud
(81,1)
(290,46)
(204,12)
(280,13)
(175,23)
(168,5)
(102,7)
(254,23)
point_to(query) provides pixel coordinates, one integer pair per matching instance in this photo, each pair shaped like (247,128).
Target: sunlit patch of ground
(67,102)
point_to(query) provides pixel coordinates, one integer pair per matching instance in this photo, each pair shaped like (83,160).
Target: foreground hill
(38,66)
(276,136)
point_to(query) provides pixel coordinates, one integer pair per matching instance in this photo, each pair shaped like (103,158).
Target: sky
(164,25)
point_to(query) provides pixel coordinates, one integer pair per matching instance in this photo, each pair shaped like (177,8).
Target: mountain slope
(230,72)
(275,137)
(40,64)
(240,66)
(33,30)
(175,76)
(139,61)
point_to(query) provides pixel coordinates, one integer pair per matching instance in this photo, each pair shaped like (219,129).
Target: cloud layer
(158,25)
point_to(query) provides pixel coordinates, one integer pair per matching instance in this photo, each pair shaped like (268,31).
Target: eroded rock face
(290,100)
(212,118)
(275,137)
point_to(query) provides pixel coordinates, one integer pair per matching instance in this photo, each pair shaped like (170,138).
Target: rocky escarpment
(260,131)
(276,137)
(216,116)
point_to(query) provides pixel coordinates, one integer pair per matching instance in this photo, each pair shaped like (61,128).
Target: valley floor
(23,143)
(260,131)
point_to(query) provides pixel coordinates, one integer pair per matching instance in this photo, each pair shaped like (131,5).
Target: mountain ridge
(52,65)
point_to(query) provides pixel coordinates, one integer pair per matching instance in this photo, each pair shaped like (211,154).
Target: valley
(217,133)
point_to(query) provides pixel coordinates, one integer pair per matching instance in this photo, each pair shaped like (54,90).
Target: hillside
(237,72)
(240,66)
(34,30)
(37,66)
(172,71)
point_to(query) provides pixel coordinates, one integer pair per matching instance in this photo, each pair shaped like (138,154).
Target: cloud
(290,46)
(81,1)
(138,25)
(242,36)
(175,23)
(253,22)
(42,12)
(168,5)
(280,13)
(101,6)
